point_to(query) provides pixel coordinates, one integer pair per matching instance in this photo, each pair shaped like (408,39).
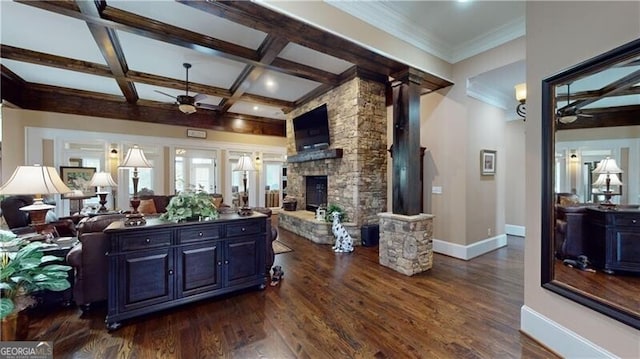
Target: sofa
(91,266)
(89,260)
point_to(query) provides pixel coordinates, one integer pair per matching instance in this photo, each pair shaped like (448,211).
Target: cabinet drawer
(241,229)
(188,235)
(633,221)
(137,241)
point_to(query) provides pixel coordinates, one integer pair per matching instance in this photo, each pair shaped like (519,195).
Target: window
(196,169)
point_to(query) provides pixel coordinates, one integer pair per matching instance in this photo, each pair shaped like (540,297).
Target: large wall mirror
(591,183)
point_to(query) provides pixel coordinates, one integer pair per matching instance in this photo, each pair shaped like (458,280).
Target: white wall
(559,35)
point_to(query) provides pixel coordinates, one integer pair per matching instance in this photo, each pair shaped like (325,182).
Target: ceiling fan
(188,104)
(569,115)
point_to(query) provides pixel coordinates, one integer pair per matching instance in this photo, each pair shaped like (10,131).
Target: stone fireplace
(316,192)
(354,165)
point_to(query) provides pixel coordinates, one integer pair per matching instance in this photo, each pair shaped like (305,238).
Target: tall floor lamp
(102,179)
(135,159)
(245,164)
(35,180)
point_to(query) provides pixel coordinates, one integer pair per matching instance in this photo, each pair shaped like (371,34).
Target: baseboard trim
(557,338)
(514,230)
(470,251)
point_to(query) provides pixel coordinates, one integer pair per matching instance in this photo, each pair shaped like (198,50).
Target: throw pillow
(147,206)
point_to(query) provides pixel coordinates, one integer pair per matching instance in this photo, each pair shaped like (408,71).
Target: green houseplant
(335,208)
(190,205)
(25,269)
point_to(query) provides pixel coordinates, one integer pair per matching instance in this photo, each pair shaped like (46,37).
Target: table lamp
(607,170)
(35,180)
(135,159)
(102,179)
(245,164)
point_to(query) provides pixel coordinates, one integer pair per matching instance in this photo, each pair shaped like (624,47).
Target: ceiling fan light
(187,108)
(567,119)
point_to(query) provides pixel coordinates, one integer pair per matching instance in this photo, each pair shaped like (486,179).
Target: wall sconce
(521,96)
(113,153)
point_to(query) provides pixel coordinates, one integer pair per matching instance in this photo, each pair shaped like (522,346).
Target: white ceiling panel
(160,58)
(313,58)
(148,92)
(253,109)
(183,16)
(63,78)
(44,32)
(281,86)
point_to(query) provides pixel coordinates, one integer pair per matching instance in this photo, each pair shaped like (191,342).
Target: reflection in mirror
(591,183)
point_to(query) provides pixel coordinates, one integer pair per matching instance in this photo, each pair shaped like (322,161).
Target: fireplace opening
(316,192)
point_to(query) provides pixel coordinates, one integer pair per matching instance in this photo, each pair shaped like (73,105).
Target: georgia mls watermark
(26,350)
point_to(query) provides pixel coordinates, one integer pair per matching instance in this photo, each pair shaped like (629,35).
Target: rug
(279,247)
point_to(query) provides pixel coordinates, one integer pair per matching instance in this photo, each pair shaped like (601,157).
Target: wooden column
(406,143)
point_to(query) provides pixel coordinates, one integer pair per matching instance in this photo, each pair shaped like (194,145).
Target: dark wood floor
(327,306)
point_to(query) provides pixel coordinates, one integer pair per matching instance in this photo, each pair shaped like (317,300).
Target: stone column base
(406,242)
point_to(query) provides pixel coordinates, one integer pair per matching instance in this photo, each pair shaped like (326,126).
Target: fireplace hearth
(316,192)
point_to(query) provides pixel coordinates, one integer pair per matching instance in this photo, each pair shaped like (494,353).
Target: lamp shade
(245,163)
(34,179)
(602,180)
(608,165)
(102,179)
(135,159)
(521,92)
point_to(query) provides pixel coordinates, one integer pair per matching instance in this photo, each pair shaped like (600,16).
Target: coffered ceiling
(250,65)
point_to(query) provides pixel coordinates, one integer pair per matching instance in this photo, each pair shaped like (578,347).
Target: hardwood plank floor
(327,306)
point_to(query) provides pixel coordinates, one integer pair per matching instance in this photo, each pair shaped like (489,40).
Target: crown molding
(505,33)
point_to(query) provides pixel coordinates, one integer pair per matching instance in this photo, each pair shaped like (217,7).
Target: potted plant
(25,269)
(190,205)
(335,208)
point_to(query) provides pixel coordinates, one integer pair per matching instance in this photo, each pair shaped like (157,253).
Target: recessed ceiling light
(256,108)
(270,83)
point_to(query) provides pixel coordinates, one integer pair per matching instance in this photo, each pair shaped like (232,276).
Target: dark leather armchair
(89,260)
(272,235)
(570,231)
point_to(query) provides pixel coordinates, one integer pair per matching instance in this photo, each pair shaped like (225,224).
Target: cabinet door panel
(242,260)
(626,248)
(200,266)
(147,278)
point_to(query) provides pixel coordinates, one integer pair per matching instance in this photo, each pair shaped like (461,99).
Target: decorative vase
(15,326)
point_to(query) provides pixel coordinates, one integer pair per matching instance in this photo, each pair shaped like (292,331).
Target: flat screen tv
(311,130)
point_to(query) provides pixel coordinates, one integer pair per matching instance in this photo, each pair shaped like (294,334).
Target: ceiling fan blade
(166,94)
(207,106)
(199,97)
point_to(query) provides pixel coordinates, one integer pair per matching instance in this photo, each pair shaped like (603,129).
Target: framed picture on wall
(77,179)
(487,162)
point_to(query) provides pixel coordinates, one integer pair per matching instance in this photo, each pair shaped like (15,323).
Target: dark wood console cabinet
(161,265)
(613,242)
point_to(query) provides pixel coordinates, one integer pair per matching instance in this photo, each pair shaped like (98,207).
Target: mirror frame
(595,64)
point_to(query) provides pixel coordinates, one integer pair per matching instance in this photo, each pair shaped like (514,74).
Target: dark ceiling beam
(11,87)
(304,71)
(91,68)
(109,45)
(611,89)
(268,51)
(60,62)
(605,117)
(260,18)
(50,98)
(583,95)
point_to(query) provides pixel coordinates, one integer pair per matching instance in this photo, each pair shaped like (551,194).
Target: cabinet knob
(243,229)
(200,234)
(219,263)
(633,221)
(147,240)
(170,271)
(226,262)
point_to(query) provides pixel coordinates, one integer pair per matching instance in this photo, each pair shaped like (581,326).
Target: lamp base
(135,203)
(134,219)
(103,201)
(245,211)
